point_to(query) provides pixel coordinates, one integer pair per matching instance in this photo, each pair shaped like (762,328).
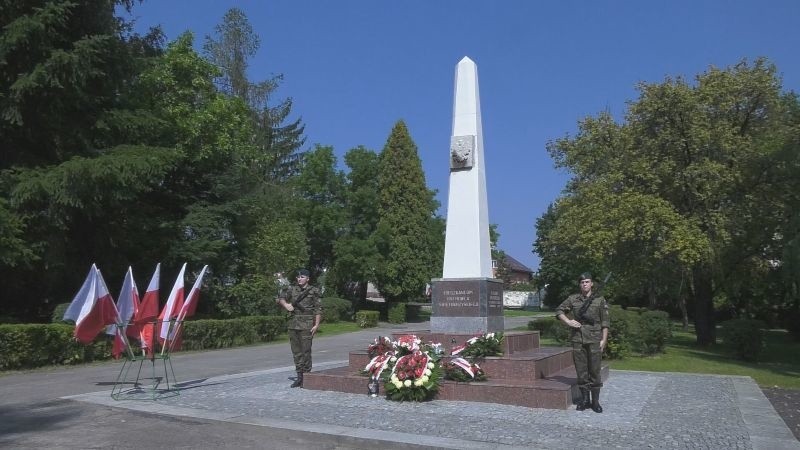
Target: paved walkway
(257,409)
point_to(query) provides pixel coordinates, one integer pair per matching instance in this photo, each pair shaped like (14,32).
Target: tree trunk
(651,295)
(684,313)
(704,325)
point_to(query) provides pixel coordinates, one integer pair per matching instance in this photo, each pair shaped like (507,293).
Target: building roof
(515,265)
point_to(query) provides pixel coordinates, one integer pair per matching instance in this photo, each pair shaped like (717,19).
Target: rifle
(296,302)
(581,314)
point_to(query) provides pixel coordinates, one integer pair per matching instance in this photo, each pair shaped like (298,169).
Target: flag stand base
(162,383)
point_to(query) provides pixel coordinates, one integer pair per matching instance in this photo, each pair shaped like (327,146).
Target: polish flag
(190,306)
(148,310)
(127,305)
(188,309)
(173,306)
(92,308)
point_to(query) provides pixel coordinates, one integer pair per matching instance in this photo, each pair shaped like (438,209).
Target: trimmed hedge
(210,334)
(27,346)
(367,319)
(335,309)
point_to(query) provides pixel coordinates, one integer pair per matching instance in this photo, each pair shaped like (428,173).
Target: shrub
(34,345)
(622,334)
(550,327)
(367,319)
(58,313)
(745,336)
(335,309)
(654,330)
(397,313)
(208,334)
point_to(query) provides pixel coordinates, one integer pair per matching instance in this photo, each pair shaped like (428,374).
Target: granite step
(527,365)
(540,393)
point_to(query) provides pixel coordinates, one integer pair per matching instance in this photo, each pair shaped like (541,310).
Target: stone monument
(467,299)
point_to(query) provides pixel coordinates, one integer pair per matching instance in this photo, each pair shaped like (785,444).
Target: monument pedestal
(525,375)
(467,305)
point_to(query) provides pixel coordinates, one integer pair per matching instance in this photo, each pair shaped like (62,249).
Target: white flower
(418,383)
(430,365)
(490,336)
(407,383)
(424,378)
(427,372)
(397,384)
(393,359)
(394,378)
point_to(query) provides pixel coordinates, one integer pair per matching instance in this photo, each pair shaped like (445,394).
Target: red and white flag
(173,306)
(85,293)
(127,305)
(92,309)
(190,305)
(148,311)
(187,310)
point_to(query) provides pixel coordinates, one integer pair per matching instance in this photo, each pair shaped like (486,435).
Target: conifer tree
(406,228)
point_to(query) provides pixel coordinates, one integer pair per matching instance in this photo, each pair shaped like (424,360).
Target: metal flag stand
(163,382)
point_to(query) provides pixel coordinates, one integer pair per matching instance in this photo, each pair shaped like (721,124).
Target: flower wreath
(414,371)
(381,345)
(459,369)
(489,344)
(414,377)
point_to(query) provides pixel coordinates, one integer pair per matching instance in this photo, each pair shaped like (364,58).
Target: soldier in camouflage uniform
(589,336)
(303,302)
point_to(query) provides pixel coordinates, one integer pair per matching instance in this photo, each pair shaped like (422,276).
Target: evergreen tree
(407,226)
(64,70)
(235,43)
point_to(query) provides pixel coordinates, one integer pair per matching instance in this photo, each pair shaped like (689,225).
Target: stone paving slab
(642,410)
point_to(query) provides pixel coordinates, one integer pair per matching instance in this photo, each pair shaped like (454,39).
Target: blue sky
(355,67)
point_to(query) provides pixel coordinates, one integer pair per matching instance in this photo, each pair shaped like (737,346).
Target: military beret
(585,276)
(303,273)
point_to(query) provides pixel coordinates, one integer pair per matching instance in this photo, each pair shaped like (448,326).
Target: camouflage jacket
(595,319)
(302,318)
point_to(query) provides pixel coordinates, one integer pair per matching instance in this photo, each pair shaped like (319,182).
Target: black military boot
(596,401)
(583,402)
(298,382)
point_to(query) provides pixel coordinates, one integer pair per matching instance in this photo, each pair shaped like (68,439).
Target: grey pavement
(239,398)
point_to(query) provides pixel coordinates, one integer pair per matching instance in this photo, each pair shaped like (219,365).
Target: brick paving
(642,410)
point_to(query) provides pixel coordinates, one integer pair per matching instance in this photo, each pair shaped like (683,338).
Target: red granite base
(525,375)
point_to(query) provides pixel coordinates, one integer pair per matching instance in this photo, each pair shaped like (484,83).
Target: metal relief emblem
(462,151)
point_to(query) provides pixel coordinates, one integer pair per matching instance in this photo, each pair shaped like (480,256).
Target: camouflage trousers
(300,341)
(587,359)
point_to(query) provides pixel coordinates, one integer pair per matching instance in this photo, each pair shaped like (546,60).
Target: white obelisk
(467,299)
(467,251)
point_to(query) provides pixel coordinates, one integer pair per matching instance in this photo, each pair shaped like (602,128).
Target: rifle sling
(296,302)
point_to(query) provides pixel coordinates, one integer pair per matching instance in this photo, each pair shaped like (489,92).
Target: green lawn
(778,365)
(526,313)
